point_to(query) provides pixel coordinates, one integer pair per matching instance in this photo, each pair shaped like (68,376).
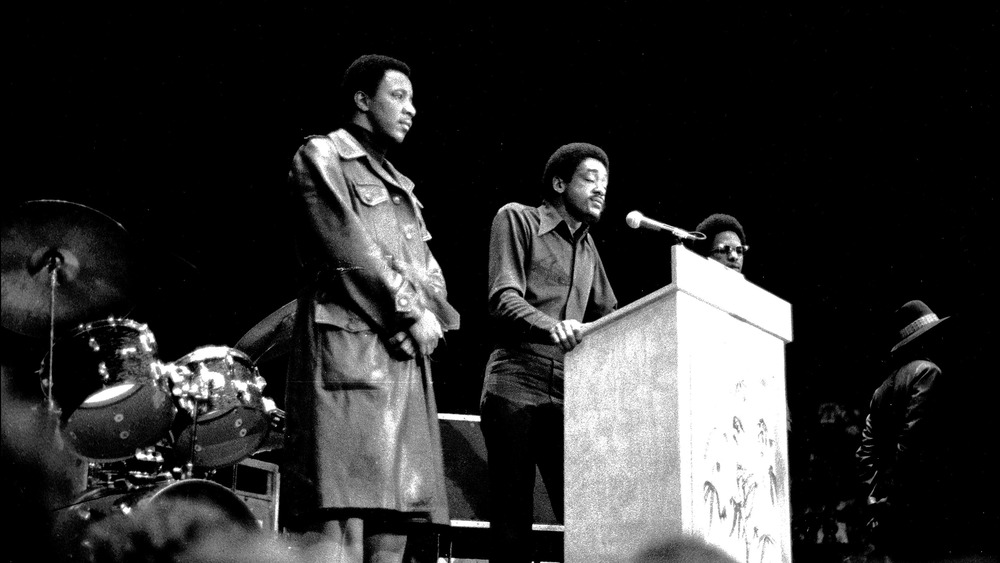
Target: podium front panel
(735,416)
(622,436)
(676,422)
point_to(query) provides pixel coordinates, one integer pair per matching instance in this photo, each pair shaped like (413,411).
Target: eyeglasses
(726,250)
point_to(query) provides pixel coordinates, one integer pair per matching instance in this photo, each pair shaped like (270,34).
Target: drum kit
(148,428)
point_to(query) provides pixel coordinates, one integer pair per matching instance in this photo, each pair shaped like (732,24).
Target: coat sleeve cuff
(407,302)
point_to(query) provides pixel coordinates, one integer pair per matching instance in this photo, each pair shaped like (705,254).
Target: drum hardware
(271,338)
(149,466)
(188,393)
(62,263)
(107,394)
(115,393)
(192,394)
(221,393)
(276,435)
(277,416)
(53,262)
(71,524)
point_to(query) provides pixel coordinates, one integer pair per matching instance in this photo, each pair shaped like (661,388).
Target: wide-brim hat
(913,320)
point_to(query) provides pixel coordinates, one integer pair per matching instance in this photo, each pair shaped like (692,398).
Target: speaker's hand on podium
(567,334)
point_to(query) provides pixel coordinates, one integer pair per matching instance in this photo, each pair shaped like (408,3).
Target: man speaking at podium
(546,280)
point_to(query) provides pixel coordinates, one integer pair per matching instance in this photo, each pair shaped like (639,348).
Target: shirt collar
(550,219)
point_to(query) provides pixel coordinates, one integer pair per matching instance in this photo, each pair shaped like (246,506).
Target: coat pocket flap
(372,194)
(335,315)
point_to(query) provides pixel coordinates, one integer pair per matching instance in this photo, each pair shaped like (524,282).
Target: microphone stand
(682,236)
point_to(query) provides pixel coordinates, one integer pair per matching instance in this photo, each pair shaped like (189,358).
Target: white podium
(676,420)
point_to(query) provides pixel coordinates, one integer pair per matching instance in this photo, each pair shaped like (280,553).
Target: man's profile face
(391,110)
(584,193)
(727,249)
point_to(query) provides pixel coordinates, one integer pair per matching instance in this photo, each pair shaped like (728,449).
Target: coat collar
(348,148)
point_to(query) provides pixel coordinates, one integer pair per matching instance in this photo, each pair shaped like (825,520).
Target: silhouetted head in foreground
(682,549)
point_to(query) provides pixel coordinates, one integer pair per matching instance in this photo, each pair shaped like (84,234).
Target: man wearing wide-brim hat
(906,463)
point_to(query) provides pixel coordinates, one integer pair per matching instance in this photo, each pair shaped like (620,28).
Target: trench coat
(361,423)
(909,462)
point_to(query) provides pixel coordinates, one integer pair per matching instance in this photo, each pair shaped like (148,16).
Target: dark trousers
(519,437)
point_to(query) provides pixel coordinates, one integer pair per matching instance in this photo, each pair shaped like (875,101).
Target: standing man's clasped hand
(401,344)
(426,333)
(567,334)
(421,338)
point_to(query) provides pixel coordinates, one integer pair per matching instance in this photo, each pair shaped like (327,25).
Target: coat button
(397,200)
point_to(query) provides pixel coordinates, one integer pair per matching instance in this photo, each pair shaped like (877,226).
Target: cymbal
(90,252)
(272,337)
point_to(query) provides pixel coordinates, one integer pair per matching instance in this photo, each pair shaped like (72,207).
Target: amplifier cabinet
(258,484)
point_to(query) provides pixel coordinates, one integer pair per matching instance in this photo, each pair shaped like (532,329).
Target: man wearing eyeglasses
(725,241)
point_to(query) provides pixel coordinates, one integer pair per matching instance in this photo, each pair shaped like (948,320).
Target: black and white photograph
(459,282)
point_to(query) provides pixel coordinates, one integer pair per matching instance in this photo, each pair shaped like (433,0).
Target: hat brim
(920,332)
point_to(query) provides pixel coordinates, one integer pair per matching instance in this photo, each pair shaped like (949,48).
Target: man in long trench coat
(363,450)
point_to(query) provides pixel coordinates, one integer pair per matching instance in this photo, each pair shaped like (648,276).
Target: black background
(857,145)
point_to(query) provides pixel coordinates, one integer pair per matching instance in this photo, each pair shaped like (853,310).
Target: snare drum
(227,390)
(111,388)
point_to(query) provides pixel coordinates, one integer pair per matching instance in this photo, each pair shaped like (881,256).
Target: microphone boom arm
(635,219)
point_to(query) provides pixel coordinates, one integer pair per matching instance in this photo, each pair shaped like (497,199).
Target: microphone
(636,220)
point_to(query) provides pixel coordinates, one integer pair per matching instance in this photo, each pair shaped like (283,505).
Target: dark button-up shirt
(539,274)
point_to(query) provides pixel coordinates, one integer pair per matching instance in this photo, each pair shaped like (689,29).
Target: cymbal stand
(54,261)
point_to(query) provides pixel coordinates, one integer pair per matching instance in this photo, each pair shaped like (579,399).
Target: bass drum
(232,419)
(201,501)
(112,389)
